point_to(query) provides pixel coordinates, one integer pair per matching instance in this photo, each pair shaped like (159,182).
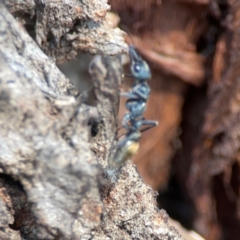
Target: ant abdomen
(126,148)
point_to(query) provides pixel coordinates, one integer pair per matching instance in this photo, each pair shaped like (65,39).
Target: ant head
(139,68)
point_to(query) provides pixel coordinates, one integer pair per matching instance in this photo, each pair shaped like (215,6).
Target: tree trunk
(55,182)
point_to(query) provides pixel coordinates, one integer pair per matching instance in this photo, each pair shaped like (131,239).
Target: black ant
(133,120)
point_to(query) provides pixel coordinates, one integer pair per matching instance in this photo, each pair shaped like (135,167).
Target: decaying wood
(217,154)
(52,185)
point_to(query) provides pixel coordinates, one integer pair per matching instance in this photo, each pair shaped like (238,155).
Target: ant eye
(137,68)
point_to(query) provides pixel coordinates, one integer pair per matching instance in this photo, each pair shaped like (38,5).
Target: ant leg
(126,119)
(148,122)
(129,95)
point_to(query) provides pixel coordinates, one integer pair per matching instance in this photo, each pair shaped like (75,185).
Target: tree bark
(55,182)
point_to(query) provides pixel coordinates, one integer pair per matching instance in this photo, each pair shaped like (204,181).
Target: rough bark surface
(54,181)
(62,28)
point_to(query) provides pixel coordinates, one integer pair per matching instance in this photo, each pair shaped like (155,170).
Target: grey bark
(54,176)
(62,28)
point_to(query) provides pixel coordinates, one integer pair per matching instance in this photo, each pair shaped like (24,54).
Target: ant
(133,120)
